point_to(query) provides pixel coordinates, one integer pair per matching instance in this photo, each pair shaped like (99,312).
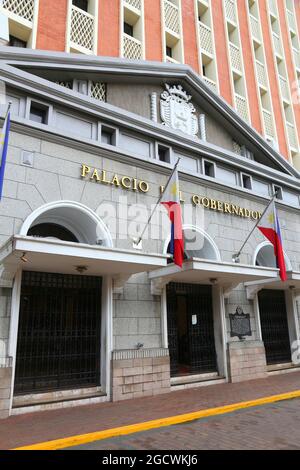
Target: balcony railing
(132,47)
(255,28)
(292,136)
(261,74)
(137,4)
(82,33)
(23,9)
(277,44)
(211,83)
(206,42)
(171,17)
(235,57)
(268,123)
(291,19)
(241,106)
(230,11)
(284,88)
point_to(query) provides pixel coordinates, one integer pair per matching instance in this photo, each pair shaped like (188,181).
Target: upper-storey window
(15,42)
(128,29)
(82,4)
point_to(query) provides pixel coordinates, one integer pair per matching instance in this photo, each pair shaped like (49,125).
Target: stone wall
(246,360)
(140,373)
(5,386)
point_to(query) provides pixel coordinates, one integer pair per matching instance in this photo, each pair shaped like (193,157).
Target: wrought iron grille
(274,326)
(199,345)
(59,333)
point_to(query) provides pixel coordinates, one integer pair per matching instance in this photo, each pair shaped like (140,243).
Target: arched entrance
(59,339)
(190,314)
(273,313)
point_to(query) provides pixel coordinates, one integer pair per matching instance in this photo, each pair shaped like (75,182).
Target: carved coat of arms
(176,110)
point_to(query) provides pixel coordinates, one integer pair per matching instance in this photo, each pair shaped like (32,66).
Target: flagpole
(235,257)
(8,109)
(138,241)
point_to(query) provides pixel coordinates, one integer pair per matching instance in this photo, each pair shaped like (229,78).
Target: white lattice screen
(132,48)
(22,8)
(273,7)
(284,88)
(211,84)
(291,20)
(135,3)
(98,91)
(292,136)
(261,74)
(235,56)
(241,106)
(82,28)
(68,85)
(255,28)
(205,38)
(268,123)
(277,44)
(236,148)
(230,10)
(171,17)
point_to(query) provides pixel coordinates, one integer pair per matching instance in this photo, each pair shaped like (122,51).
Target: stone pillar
(246,360)
(140,373)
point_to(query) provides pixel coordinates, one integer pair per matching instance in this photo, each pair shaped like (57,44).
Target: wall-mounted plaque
(240,324)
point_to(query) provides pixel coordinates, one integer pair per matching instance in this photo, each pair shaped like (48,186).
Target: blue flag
(4,134)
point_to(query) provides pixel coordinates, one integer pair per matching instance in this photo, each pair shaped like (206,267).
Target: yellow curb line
(156,423)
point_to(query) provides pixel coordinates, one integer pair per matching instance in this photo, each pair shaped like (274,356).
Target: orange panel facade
(153,30)
(109,28)
(221,51)
(190,34)
(274,85)
(249,66)
(289,64)
(52,25)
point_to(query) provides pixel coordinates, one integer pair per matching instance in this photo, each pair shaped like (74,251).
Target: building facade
(87,314)
(248,51)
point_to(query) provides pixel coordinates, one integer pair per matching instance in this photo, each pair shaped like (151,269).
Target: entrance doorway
(190,329)
(274,326)
(59,333)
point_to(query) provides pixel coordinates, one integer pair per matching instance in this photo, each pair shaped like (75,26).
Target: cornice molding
(115,153)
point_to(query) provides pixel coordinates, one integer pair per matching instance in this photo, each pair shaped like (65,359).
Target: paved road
(275,426)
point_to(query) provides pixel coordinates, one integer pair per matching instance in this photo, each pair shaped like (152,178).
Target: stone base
(246,360)
(140,373)
(5,387)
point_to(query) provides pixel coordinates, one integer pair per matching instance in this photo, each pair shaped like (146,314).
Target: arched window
(198,244)
(265,257)
(48,230)
(67,221)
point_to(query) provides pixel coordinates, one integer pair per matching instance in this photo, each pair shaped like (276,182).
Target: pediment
(141,89)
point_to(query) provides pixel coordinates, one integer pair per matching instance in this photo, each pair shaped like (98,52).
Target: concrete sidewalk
(33,428)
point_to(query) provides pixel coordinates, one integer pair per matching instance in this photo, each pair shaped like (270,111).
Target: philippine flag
(4,134)
(269,226)
(171,200)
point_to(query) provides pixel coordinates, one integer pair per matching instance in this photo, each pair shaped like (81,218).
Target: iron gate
(200,343)
(274,326)
(59,333)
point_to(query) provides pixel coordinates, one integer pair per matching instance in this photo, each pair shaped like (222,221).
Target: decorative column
(153,98)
